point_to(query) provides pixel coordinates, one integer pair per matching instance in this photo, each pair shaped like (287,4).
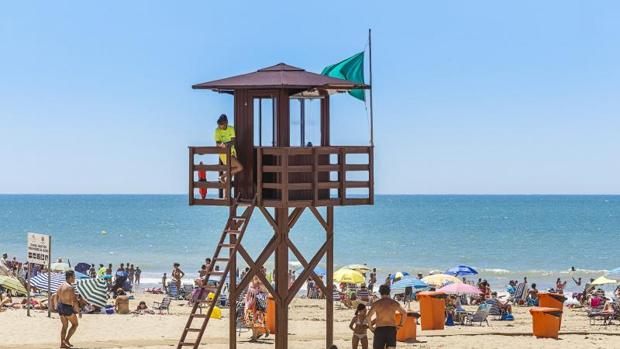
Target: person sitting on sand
(384,325)
(121,304)
(142,309)
(225,137)
(532,296)
(67,307)
(359,325)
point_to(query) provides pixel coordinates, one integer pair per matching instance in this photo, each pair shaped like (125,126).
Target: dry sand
(306,328)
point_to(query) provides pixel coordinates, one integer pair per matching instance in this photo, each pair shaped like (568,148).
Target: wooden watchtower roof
(279,76)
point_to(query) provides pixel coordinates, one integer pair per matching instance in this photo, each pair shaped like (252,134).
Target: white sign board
(38,248)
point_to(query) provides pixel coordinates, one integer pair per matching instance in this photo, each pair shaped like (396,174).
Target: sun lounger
(481,315)
(163,305)
(494,309)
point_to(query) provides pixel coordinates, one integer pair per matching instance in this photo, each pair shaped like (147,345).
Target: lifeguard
(224,137)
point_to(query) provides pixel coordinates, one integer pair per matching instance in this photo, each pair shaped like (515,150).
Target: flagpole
(372,142)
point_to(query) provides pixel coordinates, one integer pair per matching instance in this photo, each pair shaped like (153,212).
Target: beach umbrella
(604,281)
(461,270)
(13,284)
(362,268)
(349,276)
(317,270)
(79,275)
(40,281)
(415,284)
(94,291)
(459,289)
(398,275)
(60,267)
(82,267)
(439,280)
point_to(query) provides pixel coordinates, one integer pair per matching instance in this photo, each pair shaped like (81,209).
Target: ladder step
(233,232)
(221,259)
(239,218)
(193,330)
(228,245)
(187,344)
(219,272)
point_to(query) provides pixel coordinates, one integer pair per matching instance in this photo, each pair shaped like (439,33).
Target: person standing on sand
(137,276)
(384,325)
(67,308)
(373,279)
(163,283)
(177,275)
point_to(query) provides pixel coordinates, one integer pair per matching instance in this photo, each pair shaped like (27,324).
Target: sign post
(39,252)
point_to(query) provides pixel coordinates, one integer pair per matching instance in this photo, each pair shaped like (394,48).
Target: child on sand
(359,326)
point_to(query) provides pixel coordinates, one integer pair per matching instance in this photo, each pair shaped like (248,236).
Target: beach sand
(306,330)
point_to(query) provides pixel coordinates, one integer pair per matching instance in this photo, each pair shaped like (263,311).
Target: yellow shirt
(225,136)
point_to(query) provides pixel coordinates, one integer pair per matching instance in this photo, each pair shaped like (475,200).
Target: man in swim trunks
(224,137)
(384,325)
(67,308)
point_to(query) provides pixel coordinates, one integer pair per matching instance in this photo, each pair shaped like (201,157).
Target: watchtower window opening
(305,119)
(264,109)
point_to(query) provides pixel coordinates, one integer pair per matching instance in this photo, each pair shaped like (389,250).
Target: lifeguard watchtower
(279,177)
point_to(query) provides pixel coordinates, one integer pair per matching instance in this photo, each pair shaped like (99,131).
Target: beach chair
(163,305)
(481,315)
(494,309)
(520,295)
(172,290)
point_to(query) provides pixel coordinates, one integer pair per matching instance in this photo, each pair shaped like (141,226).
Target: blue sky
(470,97)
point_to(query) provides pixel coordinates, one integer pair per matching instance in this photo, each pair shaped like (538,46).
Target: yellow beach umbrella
(357,267)
(439,280)
(349,276)
(11,283)
(603,281)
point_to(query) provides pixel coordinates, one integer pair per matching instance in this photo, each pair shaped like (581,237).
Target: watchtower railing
(301,176)
(204,186)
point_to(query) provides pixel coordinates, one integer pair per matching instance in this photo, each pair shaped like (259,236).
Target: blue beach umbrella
(461,270)
(80,276)
(82,267)
(40,281)
(414,283)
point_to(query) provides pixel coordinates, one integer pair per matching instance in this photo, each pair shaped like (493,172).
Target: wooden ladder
(234,230)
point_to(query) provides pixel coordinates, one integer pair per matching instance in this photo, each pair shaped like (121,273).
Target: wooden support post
(282,278)
(232,288)
(329,296)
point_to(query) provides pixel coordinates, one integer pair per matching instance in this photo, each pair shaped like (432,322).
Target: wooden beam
(282,278)
(329,296)
(248,259)
(262,258)
(306,273)
(232,286)
(269,218)
(294,217)
(317,214)
(300,257)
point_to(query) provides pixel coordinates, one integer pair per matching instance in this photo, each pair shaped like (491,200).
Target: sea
(504,237)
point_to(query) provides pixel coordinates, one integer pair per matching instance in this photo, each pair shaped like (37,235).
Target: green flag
(351,69)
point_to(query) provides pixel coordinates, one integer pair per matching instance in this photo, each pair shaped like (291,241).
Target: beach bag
(261,302)
(449,320)
(507,317)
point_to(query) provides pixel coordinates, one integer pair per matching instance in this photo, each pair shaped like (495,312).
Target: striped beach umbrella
(40,281)
(94,291)
(13,284)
